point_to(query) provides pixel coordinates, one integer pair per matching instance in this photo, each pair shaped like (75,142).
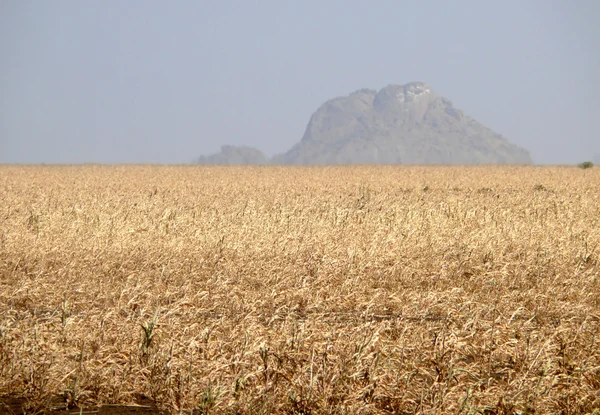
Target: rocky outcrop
(400,124)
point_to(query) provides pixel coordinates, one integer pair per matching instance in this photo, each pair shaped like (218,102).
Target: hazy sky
(163,82)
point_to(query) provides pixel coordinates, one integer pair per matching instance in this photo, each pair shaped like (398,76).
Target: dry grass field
(271,290)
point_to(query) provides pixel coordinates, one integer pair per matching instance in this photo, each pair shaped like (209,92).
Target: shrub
(586,165)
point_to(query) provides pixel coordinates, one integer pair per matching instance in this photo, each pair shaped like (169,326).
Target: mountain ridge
(399,124)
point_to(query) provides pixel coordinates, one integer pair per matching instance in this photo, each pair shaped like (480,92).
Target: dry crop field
(259,290)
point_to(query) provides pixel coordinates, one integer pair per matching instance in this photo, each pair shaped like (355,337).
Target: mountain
(400,124)
(231,155)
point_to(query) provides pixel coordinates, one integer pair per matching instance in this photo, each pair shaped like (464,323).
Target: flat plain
(301,290)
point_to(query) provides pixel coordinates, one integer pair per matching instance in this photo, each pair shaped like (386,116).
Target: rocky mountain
(400,124)
(231,155)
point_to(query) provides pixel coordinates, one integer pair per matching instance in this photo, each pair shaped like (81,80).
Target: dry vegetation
(302,290)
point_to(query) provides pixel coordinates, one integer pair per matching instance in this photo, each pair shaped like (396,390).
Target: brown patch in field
(56,406)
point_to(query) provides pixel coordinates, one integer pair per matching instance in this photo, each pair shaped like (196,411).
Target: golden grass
(346,290)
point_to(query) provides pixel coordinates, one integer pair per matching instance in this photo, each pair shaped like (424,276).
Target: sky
(144,81)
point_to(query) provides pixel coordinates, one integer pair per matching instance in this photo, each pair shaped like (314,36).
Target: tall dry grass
(438,290)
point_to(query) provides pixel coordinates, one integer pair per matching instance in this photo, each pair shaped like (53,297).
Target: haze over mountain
(400,124)
(138,82)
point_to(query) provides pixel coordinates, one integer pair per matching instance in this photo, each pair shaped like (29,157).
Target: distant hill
(400,124)
(230,155)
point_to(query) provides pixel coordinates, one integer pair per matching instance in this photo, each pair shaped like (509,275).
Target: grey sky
(163,82)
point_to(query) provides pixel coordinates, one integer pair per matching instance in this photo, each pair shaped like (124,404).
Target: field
(346,290)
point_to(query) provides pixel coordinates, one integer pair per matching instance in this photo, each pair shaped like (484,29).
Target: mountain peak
(408,92)
(398,124)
